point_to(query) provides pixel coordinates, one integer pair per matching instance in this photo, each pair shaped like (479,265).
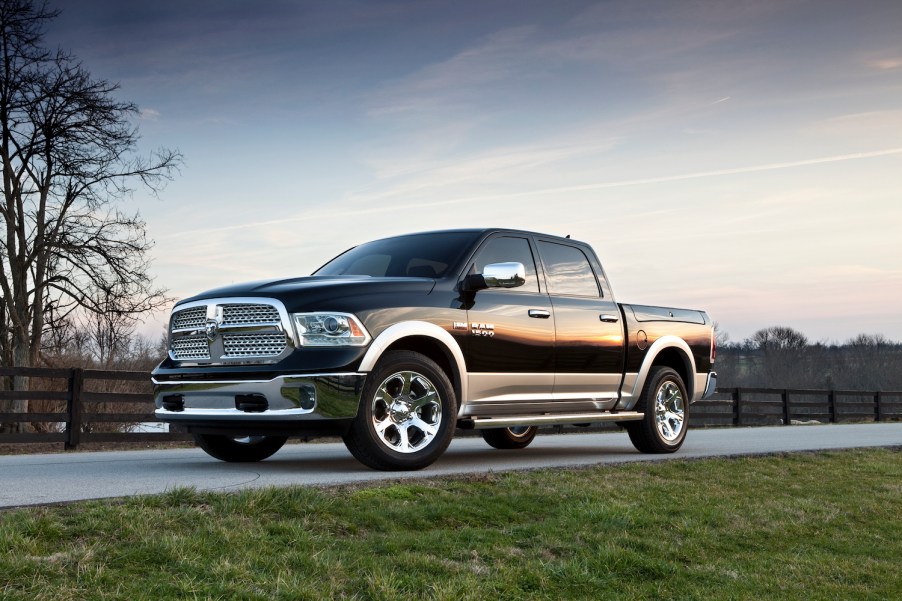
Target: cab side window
(567,270)
(507,249)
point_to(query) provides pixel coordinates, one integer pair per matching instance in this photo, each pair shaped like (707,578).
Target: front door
(510,345)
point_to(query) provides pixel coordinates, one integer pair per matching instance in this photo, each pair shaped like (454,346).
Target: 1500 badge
(482,329)
(477,329)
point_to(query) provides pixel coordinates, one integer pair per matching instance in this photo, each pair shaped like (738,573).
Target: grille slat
(190,347)
(239,314)
(254,345)
(195,318)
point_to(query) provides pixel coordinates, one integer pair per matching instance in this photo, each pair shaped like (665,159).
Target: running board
(481,423)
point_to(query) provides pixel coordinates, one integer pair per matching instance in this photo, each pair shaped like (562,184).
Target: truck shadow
(333,465)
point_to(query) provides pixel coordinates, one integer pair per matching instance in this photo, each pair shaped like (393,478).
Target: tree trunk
(21,358)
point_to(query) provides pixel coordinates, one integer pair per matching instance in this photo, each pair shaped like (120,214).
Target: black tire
(407,416)
(663,429)
(515,437)
(239,450)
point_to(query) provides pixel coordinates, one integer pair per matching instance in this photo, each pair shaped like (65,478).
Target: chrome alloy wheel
(670,411)
(407,412)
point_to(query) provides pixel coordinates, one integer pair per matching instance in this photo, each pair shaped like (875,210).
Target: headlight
(329,329)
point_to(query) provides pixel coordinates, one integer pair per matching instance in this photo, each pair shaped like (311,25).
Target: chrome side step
(481,423)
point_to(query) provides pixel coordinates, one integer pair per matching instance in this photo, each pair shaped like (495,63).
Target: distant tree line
(781,357)
(106,341)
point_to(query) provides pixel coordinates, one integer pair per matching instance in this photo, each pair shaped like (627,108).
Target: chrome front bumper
(292,397)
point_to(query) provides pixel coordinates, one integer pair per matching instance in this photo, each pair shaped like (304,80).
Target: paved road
(41,479)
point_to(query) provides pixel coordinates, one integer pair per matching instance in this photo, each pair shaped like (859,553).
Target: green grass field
(808,526)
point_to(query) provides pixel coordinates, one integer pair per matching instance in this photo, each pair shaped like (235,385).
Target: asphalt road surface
(58,478)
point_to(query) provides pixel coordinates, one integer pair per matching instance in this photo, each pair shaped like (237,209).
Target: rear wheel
(239,450)
(515,437)
(407,416)
(666,407)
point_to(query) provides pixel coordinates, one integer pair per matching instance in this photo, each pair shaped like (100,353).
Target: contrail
(641,181)
(563,189)
(714,173)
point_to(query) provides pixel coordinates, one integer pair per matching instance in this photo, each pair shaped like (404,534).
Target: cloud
(448,83)
(487,167)
(885,64)
(149,115)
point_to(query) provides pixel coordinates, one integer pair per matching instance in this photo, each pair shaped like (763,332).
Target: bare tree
(777,338)
(111,331)
(67,147)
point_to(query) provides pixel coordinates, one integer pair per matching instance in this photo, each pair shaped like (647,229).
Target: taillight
(713,345)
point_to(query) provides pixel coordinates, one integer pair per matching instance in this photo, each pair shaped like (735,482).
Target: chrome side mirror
(504,275)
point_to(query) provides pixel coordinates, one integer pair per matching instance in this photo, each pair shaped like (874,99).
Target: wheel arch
(678,361)
(667,351)
(427,339)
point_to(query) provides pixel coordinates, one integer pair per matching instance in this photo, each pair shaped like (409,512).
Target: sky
(744,158)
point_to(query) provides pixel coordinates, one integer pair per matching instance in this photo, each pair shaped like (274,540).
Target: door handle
(608,318)
(539,313)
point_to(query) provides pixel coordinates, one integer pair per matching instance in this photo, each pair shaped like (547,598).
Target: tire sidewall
(397,361)
(504,438)
(659,378)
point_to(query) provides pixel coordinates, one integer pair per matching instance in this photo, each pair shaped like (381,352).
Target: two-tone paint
(510,354)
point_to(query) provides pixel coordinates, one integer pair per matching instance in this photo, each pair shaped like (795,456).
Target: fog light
(303,396)
(251,403)
(174,402)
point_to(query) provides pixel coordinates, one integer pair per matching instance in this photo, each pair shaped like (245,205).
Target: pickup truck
(396,343)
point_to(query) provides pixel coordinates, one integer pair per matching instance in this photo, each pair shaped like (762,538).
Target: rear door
(589,346)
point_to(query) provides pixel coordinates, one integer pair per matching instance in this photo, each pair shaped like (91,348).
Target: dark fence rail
(791,406)
(75,406)
(84,406)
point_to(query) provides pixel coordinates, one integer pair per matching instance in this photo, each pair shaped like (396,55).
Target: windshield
(415,256)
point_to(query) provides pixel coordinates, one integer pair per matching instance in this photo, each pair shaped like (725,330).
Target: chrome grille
(233,315)
(254,345)
(193,318)
(230,330)
(190,347)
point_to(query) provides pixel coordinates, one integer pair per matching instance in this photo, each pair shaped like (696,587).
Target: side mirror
(496,275)
(504,275)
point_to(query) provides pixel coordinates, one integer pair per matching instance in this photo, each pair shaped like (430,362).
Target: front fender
(406,329)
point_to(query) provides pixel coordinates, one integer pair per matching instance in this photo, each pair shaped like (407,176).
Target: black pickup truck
(395,343)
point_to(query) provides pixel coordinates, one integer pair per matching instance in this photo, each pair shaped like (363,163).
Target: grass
(806,526)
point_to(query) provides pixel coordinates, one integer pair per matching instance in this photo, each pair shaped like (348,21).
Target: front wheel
(666,407)
(515,437)
(407,415)
(239,450)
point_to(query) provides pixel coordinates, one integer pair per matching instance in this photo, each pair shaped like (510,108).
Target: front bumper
(293,398)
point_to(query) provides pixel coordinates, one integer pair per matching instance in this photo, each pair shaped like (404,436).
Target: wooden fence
(789,406)
(74,406)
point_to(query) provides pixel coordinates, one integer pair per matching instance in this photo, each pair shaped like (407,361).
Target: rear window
(432,255)
(567,270)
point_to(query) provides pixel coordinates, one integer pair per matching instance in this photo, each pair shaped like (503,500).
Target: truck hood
(316,293)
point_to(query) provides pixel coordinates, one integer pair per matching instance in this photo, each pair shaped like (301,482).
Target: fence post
(878,398)
(737,406)
(787,417)
(73,423)
(831,404)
